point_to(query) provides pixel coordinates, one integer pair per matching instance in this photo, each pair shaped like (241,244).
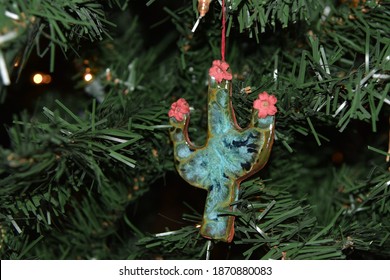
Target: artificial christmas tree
(86,163)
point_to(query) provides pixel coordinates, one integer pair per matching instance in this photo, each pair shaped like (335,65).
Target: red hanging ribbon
(223,40)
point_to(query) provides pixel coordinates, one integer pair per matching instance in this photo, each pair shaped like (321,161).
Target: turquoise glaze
(230,155)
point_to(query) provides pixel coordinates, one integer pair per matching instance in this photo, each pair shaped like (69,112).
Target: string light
(37,78)
(40,78)
(203,8)
(88,77)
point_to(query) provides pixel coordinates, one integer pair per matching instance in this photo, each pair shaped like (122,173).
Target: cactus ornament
(230,154)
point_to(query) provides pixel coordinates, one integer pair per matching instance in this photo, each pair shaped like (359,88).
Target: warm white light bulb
(37,78)
(88,77)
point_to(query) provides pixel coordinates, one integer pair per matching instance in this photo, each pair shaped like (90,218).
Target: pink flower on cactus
(179,109)
(265,103)
(219,71)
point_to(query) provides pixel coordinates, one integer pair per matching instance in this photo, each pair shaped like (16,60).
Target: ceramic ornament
(230,154)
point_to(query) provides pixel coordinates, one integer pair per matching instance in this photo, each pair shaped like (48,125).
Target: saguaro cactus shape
(230,153)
